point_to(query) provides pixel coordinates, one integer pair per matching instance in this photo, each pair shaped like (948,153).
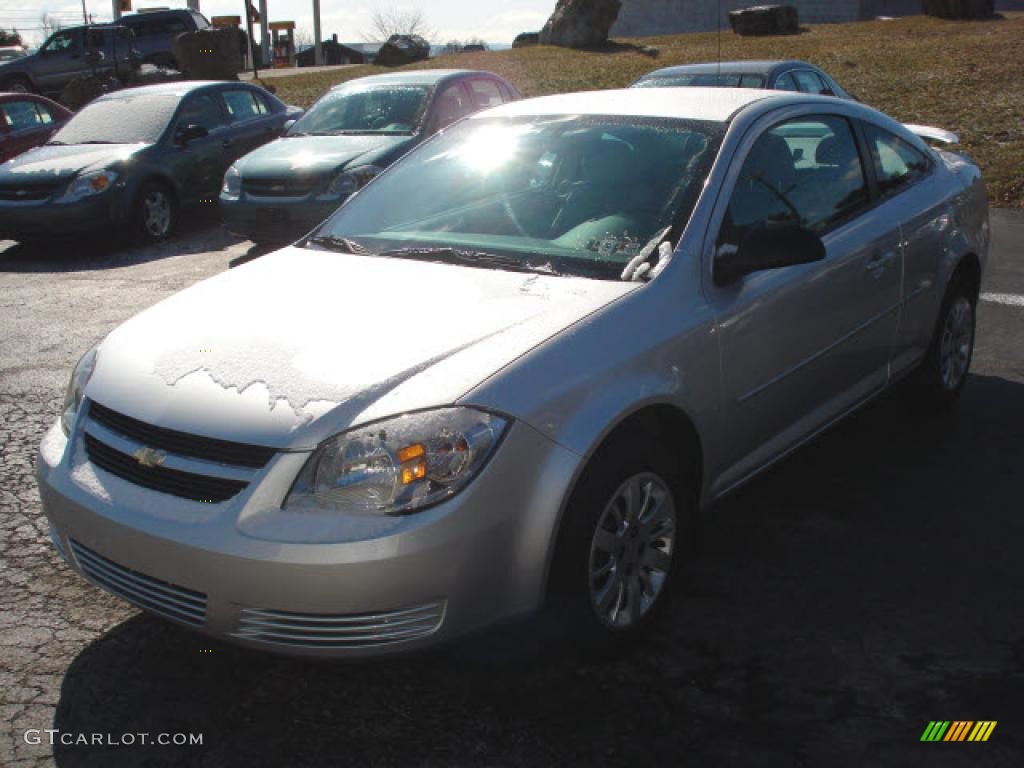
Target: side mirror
(190,132)
(768,246)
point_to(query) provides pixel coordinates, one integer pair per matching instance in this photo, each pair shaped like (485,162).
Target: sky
(496,21)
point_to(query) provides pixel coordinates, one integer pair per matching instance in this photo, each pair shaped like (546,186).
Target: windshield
(574,195)
(124,120)
(380,109)
(722,80)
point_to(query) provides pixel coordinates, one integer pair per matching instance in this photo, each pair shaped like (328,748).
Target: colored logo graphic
(958,730)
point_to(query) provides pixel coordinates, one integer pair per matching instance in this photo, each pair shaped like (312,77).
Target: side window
(22,115)
(95,37)
(808,81)
(484,93)
(451,105)
(897,164)
(806,171)
(243,105)
(202,109)
(751,81)
(45,117)
(62,42)
(786,83)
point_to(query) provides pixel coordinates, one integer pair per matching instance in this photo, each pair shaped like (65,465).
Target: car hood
(301,344)
(50,163)
(317,155)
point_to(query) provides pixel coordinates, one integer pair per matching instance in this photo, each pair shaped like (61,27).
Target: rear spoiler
(937,134)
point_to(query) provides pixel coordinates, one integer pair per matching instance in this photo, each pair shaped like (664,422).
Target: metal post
(264,34)
(248,29)
(319,51)
(117,8)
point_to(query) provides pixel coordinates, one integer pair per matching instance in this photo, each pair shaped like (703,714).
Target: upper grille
(208,448)
(173,481)
(161,597)
(288,187)
(315,630)
(26,192)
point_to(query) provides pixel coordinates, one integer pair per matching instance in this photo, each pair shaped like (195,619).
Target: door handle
(878,262)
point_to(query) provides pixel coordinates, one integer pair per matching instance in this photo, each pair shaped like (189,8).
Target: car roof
(176,88)
(753,67)
(131,17)
(416,77)
(713,104)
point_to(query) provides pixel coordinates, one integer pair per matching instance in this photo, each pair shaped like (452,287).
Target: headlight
(346,183)
(89,184)
(76,388)
(399,465)
(232,187)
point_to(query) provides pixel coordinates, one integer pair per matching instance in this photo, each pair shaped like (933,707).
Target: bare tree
(48,24)
(453,46)
(303,38)
(395,21)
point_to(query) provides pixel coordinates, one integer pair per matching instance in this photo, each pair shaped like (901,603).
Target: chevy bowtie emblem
(149,457)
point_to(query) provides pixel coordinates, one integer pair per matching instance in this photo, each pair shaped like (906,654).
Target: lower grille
(314,630)
(26,193)
(160,597)
(186,485)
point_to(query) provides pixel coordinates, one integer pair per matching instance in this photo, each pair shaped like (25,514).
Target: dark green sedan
(136,159)
(355,130)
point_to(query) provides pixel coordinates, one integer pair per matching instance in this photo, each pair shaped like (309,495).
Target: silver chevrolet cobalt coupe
(508,373)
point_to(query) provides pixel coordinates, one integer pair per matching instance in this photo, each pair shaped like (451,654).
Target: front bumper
(274,218)
(416,581)
(45,219)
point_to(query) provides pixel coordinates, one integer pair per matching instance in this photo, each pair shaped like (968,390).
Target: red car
(26,121)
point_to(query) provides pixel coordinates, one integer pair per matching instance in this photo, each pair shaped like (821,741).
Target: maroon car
(26,121)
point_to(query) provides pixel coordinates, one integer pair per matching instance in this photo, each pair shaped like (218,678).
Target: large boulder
(209,54)
(580,23)
(765,20)
(524,39)
(402,49)
(959,9)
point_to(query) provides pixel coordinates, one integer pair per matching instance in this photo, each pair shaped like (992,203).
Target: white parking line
(1013,299)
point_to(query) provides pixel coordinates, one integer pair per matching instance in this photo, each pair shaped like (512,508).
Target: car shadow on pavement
(200,233)
(867,584)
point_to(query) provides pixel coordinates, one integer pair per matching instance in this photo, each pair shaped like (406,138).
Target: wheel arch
(969,268)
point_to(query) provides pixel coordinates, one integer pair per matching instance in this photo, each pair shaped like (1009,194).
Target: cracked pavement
(868,584)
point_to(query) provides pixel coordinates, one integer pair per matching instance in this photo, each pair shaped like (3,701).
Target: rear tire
(943,374)
(156,212)
(17,84)
(626,527)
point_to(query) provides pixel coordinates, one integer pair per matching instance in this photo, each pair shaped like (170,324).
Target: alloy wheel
(631,551)
(955,343)
(156,213)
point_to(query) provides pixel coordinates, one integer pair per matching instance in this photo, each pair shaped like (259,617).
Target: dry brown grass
(967,77)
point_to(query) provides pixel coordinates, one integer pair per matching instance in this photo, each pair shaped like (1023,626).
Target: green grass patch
(959,75)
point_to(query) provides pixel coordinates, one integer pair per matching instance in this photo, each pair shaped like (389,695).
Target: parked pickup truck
(68,53)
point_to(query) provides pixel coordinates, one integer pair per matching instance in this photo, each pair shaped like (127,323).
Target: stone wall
(640,18)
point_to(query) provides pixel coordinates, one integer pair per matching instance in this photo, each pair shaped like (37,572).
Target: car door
(60,60)
(252,123)
(801,345)
(199,164)
(910,192)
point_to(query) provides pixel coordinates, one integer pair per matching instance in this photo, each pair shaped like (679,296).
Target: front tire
(620,546)
(943,374)
(156,212)
(17,84)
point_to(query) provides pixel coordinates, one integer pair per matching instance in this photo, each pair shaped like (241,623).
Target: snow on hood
(315,155)
(301,344)
(58,162)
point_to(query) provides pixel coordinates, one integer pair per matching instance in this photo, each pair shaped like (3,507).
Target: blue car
(283,189)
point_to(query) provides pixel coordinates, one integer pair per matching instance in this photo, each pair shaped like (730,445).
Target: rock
(959,9)
(524,39)
(402,49)
(209,54)
(765,20)
(580,23)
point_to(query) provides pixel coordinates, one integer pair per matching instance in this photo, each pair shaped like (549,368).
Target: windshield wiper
(469,258)
(98,141)
(339,244)
(56,143)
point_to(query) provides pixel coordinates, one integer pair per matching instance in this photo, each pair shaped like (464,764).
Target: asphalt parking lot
(867,585)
